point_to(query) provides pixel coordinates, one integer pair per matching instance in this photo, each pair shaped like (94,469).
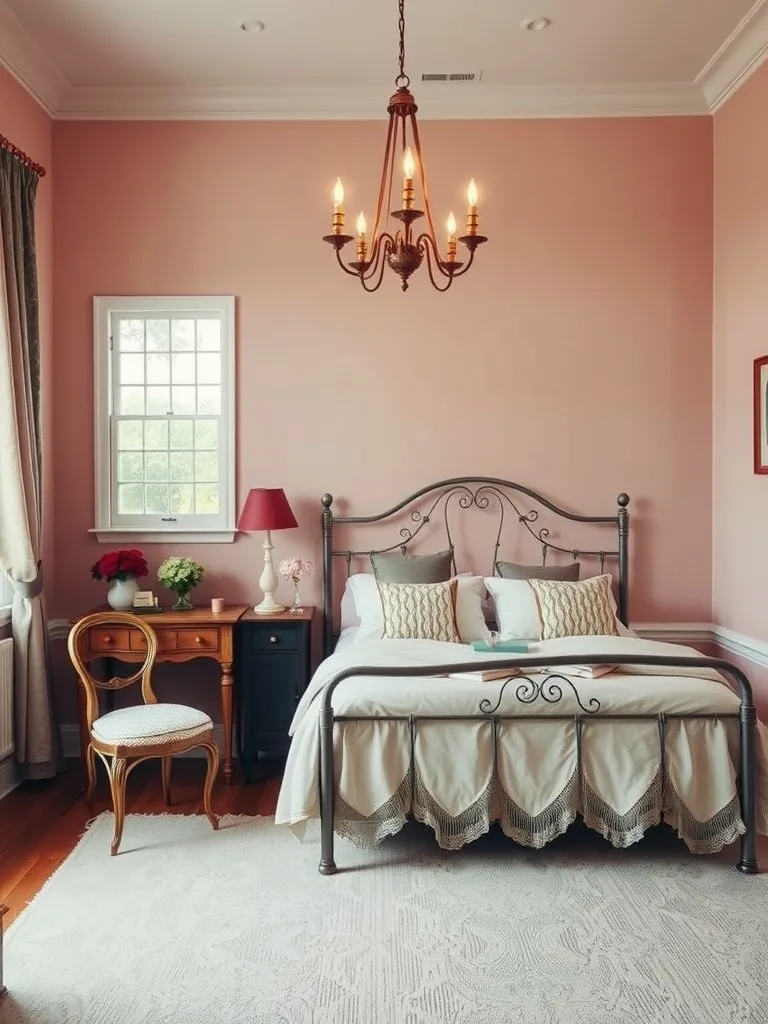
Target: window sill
(123,535)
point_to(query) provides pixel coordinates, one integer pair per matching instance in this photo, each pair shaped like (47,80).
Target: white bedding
(536,791)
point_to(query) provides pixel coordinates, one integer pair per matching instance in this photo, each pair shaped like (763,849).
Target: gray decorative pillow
(513,571)
(394,567)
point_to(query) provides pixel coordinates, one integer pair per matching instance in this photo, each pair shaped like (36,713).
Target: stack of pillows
(420,597)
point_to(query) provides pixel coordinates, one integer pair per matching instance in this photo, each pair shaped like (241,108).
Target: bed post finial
(326,501)
(622,519)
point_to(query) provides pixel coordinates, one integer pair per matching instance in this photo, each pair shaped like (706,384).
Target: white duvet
(534,789)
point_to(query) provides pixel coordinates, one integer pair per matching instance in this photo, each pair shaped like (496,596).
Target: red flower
(128,563)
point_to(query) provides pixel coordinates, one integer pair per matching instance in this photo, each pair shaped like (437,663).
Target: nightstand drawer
(105,639)
(166,640)
(277,637)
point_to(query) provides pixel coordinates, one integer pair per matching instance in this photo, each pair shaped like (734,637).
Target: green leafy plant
(180,574)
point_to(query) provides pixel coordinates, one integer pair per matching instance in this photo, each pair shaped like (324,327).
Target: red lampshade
(266,508)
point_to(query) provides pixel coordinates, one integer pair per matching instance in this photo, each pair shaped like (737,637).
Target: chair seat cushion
(147,724)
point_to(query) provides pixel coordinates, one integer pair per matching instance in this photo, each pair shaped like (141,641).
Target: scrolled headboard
(459,493)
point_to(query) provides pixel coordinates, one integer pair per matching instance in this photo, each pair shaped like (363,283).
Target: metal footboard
(550,689)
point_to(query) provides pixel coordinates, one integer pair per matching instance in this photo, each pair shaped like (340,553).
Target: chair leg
(167,762)
(117,776)
(212,753)
(90,767)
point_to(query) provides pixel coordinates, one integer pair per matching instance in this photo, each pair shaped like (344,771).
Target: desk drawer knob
(107,639)
(274,639)
(198,640)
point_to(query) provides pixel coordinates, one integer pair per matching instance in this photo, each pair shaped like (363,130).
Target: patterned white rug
(188,926)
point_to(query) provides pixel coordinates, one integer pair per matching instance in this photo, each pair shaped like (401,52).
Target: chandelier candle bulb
(361,244)
(338,207)
(451,225)
(409,167)
(472,208)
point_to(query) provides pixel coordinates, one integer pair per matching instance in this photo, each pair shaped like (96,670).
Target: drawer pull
(198,640)
(274,639)
(107,639)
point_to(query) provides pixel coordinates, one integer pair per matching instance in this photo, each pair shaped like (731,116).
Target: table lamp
(267,508)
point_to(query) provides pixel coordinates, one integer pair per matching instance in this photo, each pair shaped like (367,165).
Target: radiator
(6,698)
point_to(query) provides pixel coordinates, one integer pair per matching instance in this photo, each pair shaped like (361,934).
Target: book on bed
(484,675)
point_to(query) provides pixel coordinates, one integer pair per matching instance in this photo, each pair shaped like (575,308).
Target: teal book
(502,647)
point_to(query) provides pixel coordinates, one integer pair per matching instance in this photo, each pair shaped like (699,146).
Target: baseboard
(10,776)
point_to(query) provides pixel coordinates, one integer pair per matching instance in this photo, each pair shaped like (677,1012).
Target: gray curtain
(37,742)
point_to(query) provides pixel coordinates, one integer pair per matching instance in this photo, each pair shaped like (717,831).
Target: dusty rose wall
(27,125)
(740,498)
(575,358)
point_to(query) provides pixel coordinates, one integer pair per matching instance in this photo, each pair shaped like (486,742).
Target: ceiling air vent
(453,76)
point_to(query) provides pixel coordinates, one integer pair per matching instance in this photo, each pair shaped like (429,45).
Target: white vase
(120,594)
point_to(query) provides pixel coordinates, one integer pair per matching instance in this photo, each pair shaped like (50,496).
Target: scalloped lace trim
(494,805)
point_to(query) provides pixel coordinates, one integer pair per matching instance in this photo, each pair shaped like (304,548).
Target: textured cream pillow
(575,609)
(419,611)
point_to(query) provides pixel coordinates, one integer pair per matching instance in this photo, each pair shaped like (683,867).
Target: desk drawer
(197,640)
(166,640)
(105,639)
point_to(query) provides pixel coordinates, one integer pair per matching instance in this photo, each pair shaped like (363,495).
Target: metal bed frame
(442,500)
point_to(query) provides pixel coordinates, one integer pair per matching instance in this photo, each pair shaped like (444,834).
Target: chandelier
(404,251)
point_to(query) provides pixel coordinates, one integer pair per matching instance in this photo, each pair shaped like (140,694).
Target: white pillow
(361,606)
(517,617)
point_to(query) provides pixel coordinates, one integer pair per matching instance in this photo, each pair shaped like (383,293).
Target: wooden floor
(41,822)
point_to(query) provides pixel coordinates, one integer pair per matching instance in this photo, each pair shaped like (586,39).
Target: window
(164,418)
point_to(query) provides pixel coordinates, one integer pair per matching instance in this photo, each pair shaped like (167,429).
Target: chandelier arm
(344,267)
(422,175)
(381,267)
(427,245)
(376,256)
(467,265)
(389,159)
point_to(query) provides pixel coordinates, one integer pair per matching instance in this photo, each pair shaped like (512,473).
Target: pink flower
(295,568)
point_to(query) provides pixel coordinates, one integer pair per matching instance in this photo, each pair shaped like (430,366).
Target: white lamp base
(268,583)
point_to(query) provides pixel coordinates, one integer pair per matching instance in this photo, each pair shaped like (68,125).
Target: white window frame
(6,598)
(150,529)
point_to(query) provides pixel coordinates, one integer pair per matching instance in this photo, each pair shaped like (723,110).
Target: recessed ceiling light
(536,24)
(252,26)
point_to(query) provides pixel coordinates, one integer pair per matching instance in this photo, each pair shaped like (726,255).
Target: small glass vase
(297,607)
(183,602)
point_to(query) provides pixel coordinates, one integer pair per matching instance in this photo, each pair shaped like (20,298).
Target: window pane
(209,400)
(156,498)
(158,335)
(158,368)
(206,434)
(130,499)
(156,435)
(208,335)
(183,400)
(130,435)
(181,499)
(131,369)
(209,368)
(181,468)
(131,401)
(182,335)
(130,466)
(206,466)
(131,336)
(156,466)
(181,433)
(158,401)
(207,499)
(183,368)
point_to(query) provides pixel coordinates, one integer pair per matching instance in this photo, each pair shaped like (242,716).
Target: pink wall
(575,358)
(740,497)
(27,125)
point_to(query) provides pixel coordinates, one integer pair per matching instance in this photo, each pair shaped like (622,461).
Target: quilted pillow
(575,609)
(419,611)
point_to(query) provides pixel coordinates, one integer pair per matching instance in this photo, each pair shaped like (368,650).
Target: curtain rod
(21,155)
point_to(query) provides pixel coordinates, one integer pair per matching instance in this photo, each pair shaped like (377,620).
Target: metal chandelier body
(404,251)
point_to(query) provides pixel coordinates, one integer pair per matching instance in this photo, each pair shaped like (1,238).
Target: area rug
(189,926)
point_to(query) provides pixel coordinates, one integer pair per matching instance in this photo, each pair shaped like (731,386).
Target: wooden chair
(128,736)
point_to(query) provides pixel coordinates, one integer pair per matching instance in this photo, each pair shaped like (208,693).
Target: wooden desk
(181,636)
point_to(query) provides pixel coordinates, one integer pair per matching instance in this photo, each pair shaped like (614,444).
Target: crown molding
(475,101)
(30,65)
(737,59)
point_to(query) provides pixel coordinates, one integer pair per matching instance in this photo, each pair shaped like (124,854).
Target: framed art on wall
(761,415)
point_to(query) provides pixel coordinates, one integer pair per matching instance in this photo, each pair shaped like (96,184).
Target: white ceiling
(337,58)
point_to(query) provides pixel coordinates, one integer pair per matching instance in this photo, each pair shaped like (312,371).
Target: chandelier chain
(402,81)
